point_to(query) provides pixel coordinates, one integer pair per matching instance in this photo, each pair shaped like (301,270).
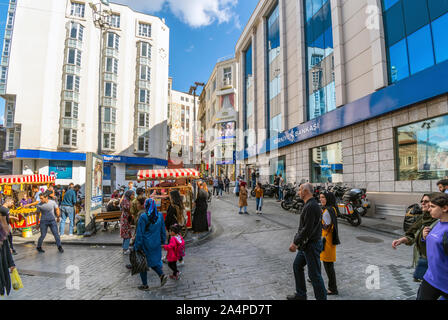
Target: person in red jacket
(175,250)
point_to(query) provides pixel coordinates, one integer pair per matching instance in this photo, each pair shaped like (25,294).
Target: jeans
(428,292)
(173,266)
(126,243)
(329,269)
(259,202)
(144,275)
(241,209)
(67,212)
(421,268)
(280,193)
(220,191)
(44,225)
(215,190)
(310,257)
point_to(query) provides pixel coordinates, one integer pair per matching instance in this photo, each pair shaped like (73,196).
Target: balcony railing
(71,96)
(69,123)
(109,127)
(143,132)
(143,107)
(144,61)
(142,84)
(109,102)
(110,77)
(110,52)
(72,69)
(74,43)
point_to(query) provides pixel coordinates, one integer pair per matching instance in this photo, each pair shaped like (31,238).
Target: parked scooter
(358,199)
(347,212)
(289,195)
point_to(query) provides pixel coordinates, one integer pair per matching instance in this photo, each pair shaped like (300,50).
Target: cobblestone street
(246,257)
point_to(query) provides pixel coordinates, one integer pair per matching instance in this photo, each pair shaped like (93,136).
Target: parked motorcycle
(347,212)
(268,191)
(358,199)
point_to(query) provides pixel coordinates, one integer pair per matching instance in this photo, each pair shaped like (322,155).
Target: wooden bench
(113,216)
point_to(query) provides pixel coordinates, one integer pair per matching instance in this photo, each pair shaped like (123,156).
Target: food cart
(168,180)
(28,217)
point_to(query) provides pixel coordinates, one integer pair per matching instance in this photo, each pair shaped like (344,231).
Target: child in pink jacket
(175,250)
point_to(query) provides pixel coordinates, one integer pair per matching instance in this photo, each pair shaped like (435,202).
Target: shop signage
(9,154)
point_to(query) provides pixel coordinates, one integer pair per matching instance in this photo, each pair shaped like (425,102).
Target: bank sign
(422,86)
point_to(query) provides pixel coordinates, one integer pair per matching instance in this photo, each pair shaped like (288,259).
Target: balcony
(144,61)
(142,84)
(143,107)
(5,61)
(74,43)
(143,132)
(2,89)
(72,69)
(12,7)
(110,52)
(71,96)
(109,127)
(109,102)
(110,77)
(69,123)
(8,34)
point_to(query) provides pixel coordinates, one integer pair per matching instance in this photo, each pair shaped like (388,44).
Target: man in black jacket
(308,242)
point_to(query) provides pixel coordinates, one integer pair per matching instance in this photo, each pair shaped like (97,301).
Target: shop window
(326,164)
(424,148)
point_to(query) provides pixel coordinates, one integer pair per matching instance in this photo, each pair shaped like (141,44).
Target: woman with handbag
(330,238)
(150,237)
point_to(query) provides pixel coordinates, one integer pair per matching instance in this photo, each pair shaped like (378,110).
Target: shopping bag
(138,262)
(15,280)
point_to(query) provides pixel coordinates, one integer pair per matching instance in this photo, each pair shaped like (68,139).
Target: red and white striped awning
(27,179)
(167,174)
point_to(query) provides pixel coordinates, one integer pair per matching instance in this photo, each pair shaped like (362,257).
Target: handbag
(16,282)
(138,262)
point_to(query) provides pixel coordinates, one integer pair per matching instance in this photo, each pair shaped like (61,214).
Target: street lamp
(193,92)
(101,20)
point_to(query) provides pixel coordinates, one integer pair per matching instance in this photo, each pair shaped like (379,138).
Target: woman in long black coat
(200,223)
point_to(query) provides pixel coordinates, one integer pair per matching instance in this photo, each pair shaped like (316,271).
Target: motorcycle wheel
(286,206)
(355,219)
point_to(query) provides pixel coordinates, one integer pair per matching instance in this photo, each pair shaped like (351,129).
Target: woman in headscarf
(125,220)
(6,260)
(149,238)
(330,238)
(200,223)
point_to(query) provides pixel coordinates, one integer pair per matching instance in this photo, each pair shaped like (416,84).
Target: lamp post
(101,21)
(427,125)
(193,92)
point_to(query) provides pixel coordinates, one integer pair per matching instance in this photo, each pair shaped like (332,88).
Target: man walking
(49,211)
(227,184)
(309,245)
(215,186)
(68,209)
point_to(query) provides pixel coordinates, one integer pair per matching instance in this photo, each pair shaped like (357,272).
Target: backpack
(413,213)
(180,250)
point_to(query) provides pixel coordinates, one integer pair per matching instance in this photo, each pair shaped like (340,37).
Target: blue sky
(201,32)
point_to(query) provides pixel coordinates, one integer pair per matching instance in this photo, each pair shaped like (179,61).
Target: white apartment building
(85,76)
(219,113)
(181,118)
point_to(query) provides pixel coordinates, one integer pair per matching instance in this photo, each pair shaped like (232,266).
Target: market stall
(159,183)
(12,186)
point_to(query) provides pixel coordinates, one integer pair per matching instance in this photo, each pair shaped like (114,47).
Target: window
(77,9)
(320,65)
(69,137)
(423,146)
(109,141)
(9,114)
(11,140)
(10,20)
(4,74)
(71,110)
(214,85)
(143,144)
(416,36)
(182,99)
(72,83)
(113,40)
(227,76)
(248,89)
(145,73)
(144,96)
(114,20)
(326,164)
(111,65)
(109,115)
(74,57)
(143,120)
(110,90)
(76,31)
(144,30)
(145,50)
(6,47)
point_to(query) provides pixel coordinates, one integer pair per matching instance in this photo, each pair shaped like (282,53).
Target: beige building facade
(331,94)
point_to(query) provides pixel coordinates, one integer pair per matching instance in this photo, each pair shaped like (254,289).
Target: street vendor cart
(159,183)
(10,186)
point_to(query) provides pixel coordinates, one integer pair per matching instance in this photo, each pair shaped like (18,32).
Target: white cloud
(189,49)
(196,13)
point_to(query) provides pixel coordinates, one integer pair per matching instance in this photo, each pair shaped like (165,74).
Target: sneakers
(163,280)
(240,213)
(246,212)
(126,252)
(40,250)
(143,288)
(175,277)
(61,250)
